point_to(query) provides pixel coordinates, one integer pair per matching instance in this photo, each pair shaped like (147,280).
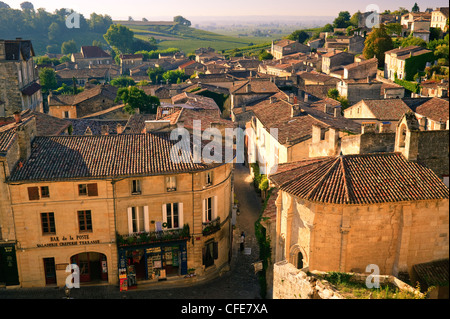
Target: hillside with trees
(48,31)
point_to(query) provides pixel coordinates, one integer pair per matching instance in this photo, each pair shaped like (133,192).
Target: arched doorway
(93,266)
(299,260)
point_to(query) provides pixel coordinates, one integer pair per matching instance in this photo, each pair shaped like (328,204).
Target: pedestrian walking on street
(242,240)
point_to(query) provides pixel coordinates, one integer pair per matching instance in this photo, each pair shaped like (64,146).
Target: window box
(212,227)
(144,238)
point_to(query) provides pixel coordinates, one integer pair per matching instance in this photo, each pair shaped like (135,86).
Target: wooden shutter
(164,213)
(33,193)
(92,190)
(146,221)
(204,210)
(215,212)
(130,220)
(216,250)
(204,255)
(180,215)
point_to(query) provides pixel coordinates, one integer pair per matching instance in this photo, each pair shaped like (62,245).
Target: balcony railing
(211,227)
(144,238)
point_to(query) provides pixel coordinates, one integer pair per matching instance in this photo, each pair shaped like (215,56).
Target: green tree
(174,76)
(47,79)
(343,20)
(135,98)
(4,5)
(155,74)
(415,8)
(299,36)
(413,41)
(377,43)
(123,81)
(120,37)
(54,31)
(354,20)
(264,55)
(69,47)
(333,93)
(394,29)
(97,43)
(27,6)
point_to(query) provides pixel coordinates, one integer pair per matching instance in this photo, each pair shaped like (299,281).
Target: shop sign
(56,241)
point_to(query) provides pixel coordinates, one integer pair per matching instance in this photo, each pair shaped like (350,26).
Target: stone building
(336,60)
(19,80)
(283,129)
(285,47)
(397,60)
(91,100)
(352,44)
(439,18)
(91,55)
(130,61)
(336,214)
(111,204)
(381,113)
(250,91)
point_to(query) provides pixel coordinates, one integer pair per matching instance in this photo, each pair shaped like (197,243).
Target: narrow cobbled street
(240,282)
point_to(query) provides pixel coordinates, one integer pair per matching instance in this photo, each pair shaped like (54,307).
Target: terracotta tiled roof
(433,273)
(270,211)
(386,109)
(47,125)
(435,109)
(298,128)
(256,86)
(93,52)
(363,179)
(6,140)
(136,123)
(76,157)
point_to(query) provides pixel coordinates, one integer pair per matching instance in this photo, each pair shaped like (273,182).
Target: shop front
(9,275)
(153,261)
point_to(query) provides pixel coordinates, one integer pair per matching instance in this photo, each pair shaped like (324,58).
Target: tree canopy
(135,98)
(47,79)
(299,36)
(377,43)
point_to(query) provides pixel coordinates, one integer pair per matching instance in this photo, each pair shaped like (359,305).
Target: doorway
(50,271)
(93,266)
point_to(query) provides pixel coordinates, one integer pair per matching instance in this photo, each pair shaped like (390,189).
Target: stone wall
(292,283)
(368,143)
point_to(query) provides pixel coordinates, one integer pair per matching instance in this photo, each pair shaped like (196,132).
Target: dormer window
(171,183)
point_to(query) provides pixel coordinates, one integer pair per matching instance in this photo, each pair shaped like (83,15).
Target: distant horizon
(210,9)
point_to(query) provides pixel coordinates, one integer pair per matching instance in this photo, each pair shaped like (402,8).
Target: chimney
(295,110)
(50,96)
(17,117)
(306,97)
(325,108)
(119,128)
(248,88)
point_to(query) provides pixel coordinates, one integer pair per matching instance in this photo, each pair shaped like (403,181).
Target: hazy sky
(204,8)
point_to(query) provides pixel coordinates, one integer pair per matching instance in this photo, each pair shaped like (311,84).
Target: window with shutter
(92,190)
(33,193)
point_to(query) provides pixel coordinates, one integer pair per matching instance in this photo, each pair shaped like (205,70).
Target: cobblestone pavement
(240,282)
